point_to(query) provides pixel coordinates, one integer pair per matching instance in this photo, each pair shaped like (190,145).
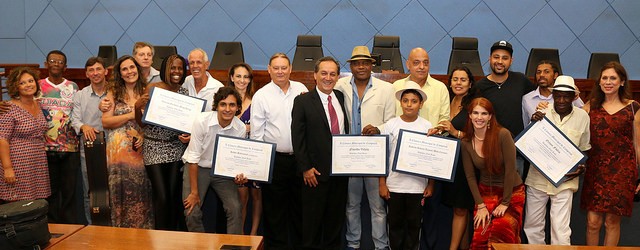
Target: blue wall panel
(576,27)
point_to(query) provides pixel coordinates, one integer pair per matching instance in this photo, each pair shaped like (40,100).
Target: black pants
(166,186)
(281,205)
(324,214)
(65,202)
(405,219)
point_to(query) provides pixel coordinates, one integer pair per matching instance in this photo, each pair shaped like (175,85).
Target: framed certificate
(426,156)
(172,110)
(549,150)
(360,155)
(233,156)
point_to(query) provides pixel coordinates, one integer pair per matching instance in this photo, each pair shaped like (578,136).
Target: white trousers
(560,214)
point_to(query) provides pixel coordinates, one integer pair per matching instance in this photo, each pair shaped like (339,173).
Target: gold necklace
(478,138)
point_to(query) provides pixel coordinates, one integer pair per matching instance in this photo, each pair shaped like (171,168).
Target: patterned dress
(129,186)
(162,145)
(610,179)
(25,134)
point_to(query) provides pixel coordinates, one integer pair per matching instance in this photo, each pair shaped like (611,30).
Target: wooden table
(99,237)
(503,246)
(60,232)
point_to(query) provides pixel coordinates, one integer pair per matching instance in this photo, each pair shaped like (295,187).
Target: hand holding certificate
(426,156)
(172,110)
(253,159)
(549,150)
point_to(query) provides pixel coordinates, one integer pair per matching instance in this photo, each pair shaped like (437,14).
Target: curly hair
(118,87)
(13,81)
(225,92)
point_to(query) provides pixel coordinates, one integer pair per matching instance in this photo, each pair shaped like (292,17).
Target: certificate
(233,156)
(172,110)
(549,150)
(426,156)
(360,155)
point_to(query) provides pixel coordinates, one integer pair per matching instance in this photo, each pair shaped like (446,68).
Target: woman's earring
(488,124)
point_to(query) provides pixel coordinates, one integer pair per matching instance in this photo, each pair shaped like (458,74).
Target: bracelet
(483,206)
(458,134)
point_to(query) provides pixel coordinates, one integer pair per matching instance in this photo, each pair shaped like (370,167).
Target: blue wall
(31,28)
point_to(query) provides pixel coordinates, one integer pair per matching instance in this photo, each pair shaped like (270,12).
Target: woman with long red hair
(498,192)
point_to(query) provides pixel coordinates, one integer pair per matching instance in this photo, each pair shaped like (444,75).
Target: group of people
(158,177)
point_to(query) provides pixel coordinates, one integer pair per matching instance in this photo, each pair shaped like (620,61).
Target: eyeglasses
(56,62)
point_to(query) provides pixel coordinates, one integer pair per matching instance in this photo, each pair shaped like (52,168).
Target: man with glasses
(63,155)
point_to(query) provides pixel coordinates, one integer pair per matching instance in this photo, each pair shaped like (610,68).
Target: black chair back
(160,53)
(464,52)
(308,51)
(388,47)
(598,60)
(538,54)
(109,53)
(226,55)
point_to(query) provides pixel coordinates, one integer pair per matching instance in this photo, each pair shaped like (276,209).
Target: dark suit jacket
(311,133)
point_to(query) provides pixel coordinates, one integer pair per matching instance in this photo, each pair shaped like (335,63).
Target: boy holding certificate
(404,193)
(574,123)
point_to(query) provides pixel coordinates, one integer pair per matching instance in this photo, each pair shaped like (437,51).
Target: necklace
(478,138)
(499,84)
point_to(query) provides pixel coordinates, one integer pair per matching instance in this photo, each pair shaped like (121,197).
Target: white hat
(565,83)
(410,85)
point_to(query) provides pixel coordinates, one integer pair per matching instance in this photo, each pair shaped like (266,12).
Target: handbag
(23,225)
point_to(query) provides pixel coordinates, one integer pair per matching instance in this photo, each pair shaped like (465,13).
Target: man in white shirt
(546,75)
(200,83)
(199,159)
(574,123)
(434,110)
(271,122)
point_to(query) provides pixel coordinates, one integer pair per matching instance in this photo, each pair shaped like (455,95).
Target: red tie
(335,128)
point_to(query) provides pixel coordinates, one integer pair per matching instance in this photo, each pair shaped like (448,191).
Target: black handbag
(23,225)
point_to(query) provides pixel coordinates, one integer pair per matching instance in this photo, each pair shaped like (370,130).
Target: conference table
(101,237)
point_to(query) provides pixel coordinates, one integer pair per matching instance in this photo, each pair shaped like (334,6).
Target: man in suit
(367,100)
(316,116)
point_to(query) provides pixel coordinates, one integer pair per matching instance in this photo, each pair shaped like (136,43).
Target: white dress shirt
(336,105)
(271,114)
(205,93)
(203,137)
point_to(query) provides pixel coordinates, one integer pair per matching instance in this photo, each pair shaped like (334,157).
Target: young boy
(403,192)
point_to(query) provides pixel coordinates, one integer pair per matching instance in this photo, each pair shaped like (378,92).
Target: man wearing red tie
(316,116)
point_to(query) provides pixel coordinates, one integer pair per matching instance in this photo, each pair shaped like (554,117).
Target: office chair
(598,60)
(388,47)
(226,55)
(160,53)
(109,53)
(308,50)
(538,54)
(464,52)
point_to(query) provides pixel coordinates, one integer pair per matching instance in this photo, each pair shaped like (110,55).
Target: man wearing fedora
(367,100)
(574,123)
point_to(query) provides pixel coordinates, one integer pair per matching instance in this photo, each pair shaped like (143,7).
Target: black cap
(502,45)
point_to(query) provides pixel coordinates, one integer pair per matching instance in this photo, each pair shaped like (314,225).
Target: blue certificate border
(215,154)
(146,108)
(455,161)
(386,156)
(573,169)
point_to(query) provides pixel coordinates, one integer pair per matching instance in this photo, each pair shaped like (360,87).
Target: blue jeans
(378,212)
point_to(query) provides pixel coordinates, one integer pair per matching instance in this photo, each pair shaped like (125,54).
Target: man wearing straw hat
(574,123)
(367,100)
